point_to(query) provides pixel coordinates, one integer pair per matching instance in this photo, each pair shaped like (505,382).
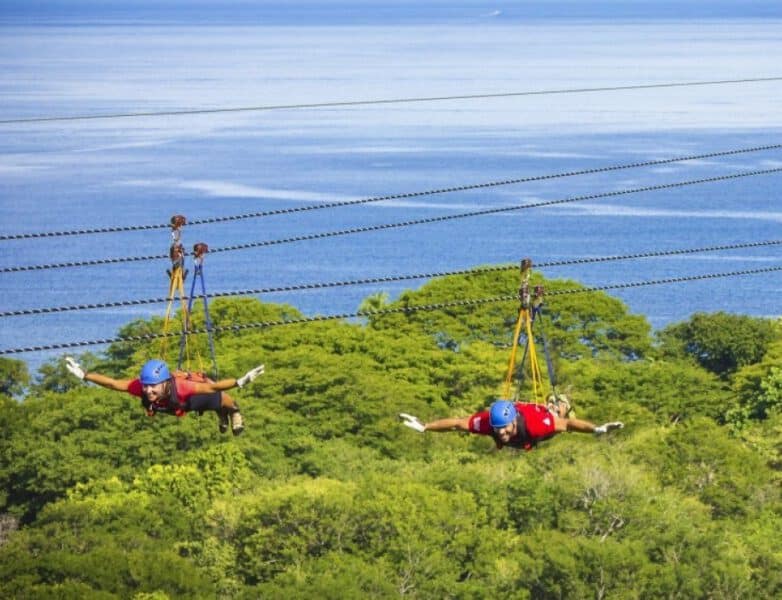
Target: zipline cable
(402,196)
(429,220)
(349,103)
(389,279)
(387,311)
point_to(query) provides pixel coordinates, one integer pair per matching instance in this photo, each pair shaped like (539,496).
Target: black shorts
(202,402)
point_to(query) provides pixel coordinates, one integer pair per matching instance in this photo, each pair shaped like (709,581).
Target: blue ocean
(143,57)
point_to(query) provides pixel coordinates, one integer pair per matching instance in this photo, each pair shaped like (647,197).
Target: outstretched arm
(227,384)
(450,424)
(581,426)
(119,385)
(207,387)
(456,424)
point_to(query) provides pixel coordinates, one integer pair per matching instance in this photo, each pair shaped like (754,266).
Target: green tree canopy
(326,494)
(587,324)
(720,342)
(14,376)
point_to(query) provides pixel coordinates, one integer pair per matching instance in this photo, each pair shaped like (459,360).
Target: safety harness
(176,291)
(173,405)
(530,311)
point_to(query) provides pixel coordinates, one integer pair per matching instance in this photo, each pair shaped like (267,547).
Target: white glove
(74,367)
(412,422)
(606,427)
(249,376)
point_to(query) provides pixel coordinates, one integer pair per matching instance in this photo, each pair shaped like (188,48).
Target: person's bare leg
(559,406)
(229,410)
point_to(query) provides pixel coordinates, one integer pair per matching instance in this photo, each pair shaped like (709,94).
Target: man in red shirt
(176,395)
(514,424)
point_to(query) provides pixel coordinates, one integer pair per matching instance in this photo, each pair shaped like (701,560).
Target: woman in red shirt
(160,391)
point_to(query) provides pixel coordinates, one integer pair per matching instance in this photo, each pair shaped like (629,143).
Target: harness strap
(549,361)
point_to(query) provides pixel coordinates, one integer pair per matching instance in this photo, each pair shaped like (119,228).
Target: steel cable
(349,103)
(430,220)
(402,196)
(406,309)
(387,279)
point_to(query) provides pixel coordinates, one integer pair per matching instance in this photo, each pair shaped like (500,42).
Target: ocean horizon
(385,12)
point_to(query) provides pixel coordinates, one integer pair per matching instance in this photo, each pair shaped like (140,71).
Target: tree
(63,439)
(54,377)
(327,494)
(374,302)
(720,342)
(669,390)
(703,460)
(14,376)
(578,324)
(770,401)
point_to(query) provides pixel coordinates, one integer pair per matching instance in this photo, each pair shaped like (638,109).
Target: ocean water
(76,174)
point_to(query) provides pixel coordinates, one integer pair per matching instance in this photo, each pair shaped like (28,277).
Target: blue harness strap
(198,275)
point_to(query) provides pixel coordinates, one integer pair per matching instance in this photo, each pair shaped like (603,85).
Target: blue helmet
(154,372)
(502,413)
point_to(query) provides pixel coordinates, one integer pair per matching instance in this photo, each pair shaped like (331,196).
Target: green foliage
(327,495)
(203,478)
(724,474)
(13,376)
(755,389)
(374,302)
(578,325)
(335,576)
(423,532)
(668,390)
(765,439)
(124,355)
(53,376)
(65,439)
(720,342)
(771,396)
(78,558)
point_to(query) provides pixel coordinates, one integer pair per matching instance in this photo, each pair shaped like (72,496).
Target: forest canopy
(327,495)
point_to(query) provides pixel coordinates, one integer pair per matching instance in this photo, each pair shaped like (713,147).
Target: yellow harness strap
(524,320)
(176,285)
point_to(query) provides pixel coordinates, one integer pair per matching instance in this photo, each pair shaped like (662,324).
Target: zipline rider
(177,394)
(514,424)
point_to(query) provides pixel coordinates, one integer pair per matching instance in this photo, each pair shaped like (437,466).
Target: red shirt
(184,389)
(538,422)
